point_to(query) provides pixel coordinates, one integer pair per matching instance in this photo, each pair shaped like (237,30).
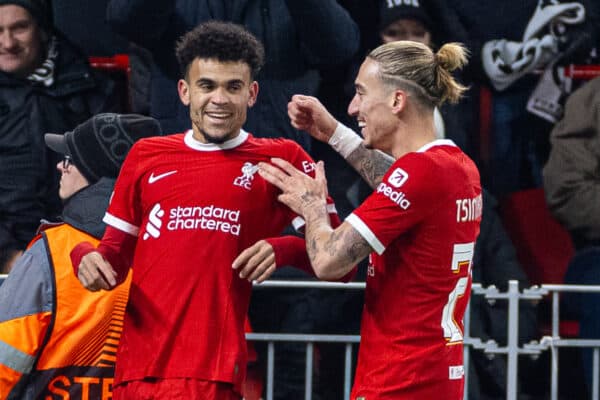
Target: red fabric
(543,246)
(175,389)
(117,247)
(193,207)
(423,220)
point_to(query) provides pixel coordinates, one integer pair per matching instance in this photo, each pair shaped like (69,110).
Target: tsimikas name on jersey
(207,218)
(396,196)
(469,209)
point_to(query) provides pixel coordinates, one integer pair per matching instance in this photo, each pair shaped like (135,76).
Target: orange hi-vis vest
(68,353)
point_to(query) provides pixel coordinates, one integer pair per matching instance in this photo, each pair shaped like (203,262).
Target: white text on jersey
(469,209)
(396,197)
(206,218)
(308,167)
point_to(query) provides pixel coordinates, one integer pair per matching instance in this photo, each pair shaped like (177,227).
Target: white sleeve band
(344,140)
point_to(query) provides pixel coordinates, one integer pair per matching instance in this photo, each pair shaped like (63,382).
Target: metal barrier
(512,350)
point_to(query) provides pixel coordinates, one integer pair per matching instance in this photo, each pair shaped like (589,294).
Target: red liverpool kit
(422,221)
(194,207)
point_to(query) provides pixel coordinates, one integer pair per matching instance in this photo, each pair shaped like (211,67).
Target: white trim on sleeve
(365,232)
(121,225)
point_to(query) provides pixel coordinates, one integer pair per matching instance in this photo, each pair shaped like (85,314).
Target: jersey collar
(230,144)
(438,142)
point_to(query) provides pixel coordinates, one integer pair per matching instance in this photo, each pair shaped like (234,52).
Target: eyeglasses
(66,162)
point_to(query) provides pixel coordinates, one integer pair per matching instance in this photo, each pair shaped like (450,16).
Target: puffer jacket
(28,175)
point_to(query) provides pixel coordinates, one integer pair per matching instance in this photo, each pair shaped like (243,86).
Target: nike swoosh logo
(152,178)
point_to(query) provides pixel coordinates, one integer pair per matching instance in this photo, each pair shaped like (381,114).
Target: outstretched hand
(256,263)
(301,193)
(308,114)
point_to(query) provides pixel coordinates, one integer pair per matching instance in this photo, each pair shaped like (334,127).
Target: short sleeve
(409,192)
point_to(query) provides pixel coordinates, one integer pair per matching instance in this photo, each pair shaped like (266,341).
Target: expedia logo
(398,177)
(395,196)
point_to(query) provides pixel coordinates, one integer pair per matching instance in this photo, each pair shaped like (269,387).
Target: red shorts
(175,389)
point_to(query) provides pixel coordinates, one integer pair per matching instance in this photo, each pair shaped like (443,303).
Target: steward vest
(76,360)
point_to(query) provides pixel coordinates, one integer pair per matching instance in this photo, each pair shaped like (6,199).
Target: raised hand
(301,193)
(308,114)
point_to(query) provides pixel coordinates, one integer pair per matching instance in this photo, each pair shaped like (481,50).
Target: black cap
(393,10)
(39,9)
(99,145)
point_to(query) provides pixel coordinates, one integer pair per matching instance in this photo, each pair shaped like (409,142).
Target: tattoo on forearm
(370,164)
(359,248)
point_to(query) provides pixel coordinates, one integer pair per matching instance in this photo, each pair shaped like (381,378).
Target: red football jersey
(422,221)
(194,207)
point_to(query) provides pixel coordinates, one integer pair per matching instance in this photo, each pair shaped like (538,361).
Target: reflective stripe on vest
(15,359)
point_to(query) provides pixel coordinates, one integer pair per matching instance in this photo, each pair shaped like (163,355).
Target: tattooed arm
(370,164)
(332,252)
(308,114)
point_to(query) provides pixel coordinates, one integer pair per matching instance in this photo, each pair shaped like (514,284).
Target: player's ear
(399,101)
(184,92)
(253,93)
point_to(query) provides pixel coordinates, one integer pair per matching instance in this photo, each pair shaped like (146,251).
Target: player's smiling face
(218,94)
(372,107)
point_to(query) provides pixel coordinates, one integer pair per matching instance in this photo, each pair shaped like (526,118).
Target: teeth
(361,124)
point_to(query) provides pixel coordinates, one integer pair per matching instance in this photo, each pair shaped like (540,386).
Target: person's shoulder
(274,145)
(171,140)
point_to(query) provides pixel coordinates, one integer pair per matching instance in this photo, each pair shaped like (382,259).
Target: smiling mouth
(218,115)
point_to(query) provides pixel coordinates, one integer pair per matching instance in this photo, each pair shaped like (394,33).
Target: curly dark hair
(224,41)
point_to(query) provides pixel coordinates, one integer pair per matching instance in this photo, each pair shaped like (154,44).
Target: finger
(286,167)
(262,263)
(263,251)
(320,173)
(272,174)
(84,275)
(320,176)
(266,274)
(107,273)
(243,257)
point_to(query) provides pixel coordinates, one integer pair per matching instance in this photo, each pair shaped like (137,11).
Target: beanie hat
(99,145)
(393,10)
(39,9)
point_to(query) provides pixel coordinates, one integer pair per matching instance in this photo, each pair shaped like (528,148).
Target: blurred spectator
(58,338)
(299,37)
(412,21)
(87,27)
(509,42)
(45,85)
(572,186)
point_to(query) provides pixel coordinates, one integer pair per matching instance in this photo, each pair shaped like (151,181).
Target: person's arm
(328,33)
(26,299)
(308,114)
(571,174)
(333,253)
(106,266)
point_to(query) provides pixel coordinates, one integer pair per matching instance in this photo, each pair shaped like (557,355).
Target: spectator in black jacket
(45,86)
(299,38)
